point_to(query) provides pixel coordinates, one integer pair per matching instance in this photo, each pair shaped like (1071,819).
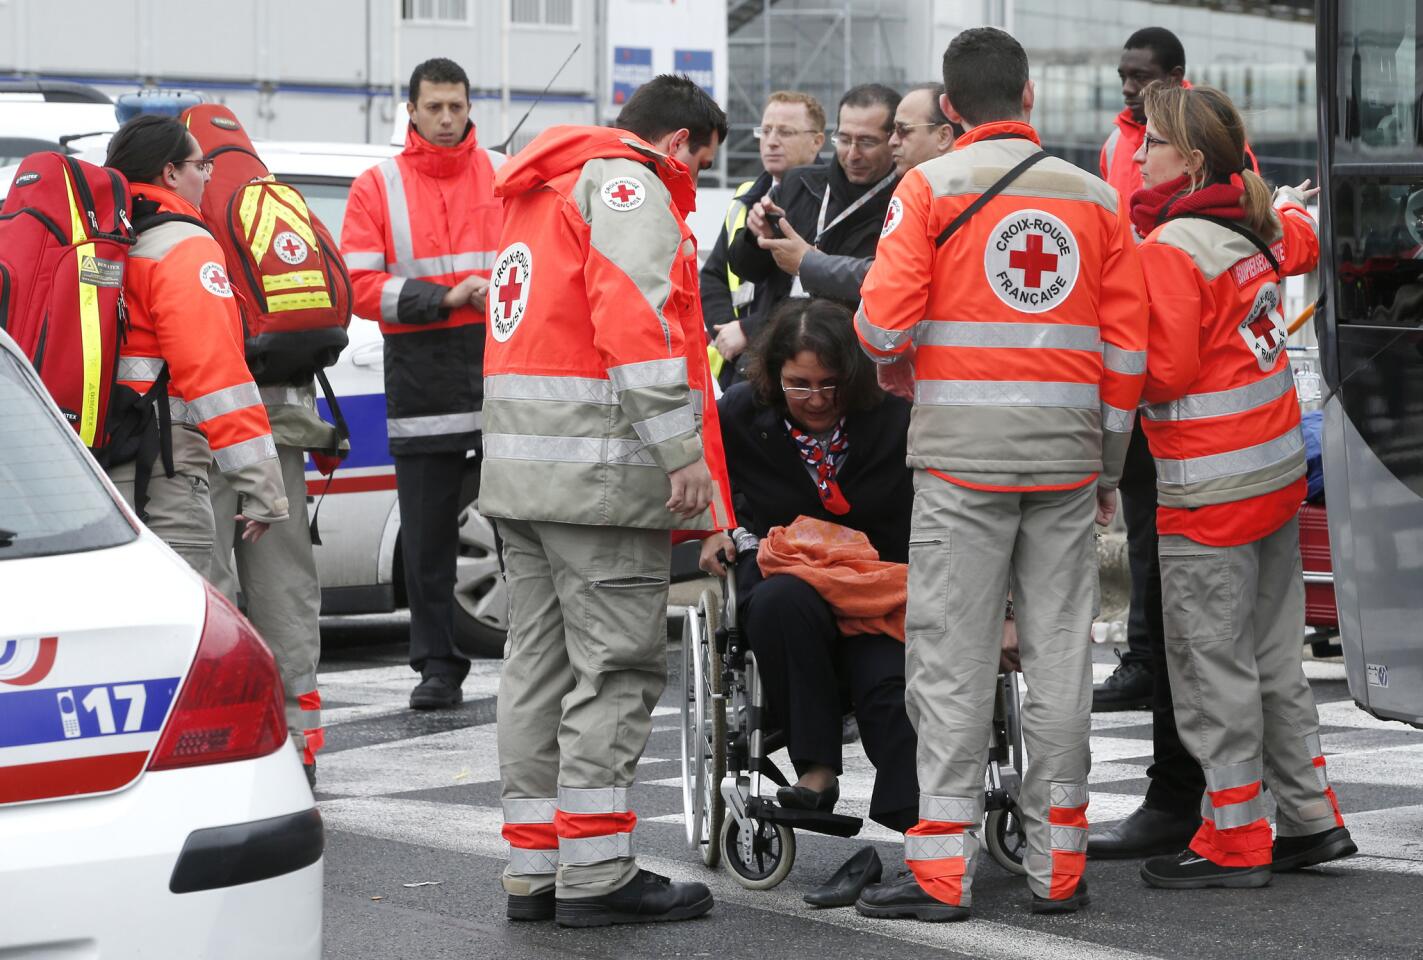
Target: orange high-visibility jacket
(1222,417)
(1029,323)
(596,382)
(415,226)
(182,313)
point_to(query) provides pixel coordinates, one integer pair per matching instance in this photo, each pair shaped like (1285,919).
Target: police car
(150,801)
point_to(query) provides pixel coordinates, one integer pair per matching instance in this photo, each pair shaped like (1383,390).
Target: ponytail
(1259,205)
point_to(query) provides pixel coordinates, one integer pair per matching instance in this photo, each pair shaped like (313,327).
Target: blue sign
(632,67)
(697,66)
(54,715)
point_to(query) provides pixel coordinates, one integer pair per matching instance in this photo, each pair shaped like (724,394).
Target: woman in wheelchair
(811,434)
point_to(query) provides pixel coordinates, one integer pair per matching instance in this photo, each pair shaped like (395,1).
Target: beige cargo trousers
(967,549)
(584,665)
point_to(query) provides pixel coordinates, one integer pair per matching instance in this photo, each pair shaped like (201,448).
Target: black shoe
(536,906)
(1072,904)
(1128,688)
(1146,833)
(1292,853)
(804,798)
(844,886)
(903,898)
(647,898)
(1189,870)
(436,693)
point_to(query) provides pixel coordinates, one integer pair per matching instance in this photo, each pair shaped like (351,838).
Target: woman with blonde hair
(1223,425)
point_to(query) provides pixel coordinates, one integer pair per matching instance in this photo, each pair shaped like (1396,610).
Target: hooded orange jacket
(596,380)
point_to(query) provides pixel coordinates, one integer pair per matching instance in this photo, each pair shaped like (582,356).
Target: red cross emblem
(1033,261)
(291,247)
(1263,327)
(510,290)
(624,193)
(218,279)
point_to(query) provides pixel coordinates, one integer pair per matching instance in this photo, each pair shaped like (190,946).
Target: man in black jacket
(830,216)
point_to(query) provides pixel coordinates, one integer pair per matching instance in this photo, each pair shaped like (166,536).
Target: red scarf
(825,461)
(1153,206)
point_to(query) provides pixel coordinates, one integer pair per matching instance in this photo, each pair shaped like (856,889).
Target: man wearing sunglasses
(814,234)
(921,131)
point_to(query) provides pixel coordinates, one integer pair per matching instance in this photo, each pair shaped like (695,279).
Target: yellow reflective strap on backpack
(76,216)
(247,209)
(297,278)
(715,360)
(310,300)
(91,337)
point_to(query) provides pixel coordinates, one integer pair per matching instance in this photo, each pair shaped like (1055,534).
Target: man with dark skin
(1150,54)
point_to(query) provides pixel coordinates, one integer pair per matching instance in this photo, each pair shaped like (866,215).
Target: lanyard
(821,226)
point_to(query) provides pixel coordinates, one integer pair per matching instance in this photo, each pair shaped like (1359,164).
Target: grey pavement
(414,799)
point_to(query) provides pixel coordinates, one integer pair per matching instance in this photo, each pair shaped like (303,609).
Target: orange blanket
(866,594)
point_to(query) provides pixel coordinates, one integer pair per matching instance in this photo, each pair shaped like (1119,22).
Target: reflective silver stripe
(667,425)
(1221,403)
(948,809)
(1068,839)
(1245,460)
(1116,359)
(583,851)
(1234,775)
(178,412)
(1117,420)
(1069,795)
(244,454)
(649,373)
(443,264)
(437,425)
(140,368)
(523,861)
(934,847)
(397,212)
(1004,393)
(593,801)
(520,386)
(236,397)
(365,261)
(885,341)
(971,333)
(509,446)
(287,396)
(538,810)
(1312,745)
(390,299)
(698,399)
(1322,776)
(1111,148)
(1234,815)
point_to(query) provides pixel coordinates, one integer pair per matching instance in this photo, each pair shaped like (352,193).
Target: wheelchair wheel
(1007,840)
(693,734)
(714,729)
(762,860)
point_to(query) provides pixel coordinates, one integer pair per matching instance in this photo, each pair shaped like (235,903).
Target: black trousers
(428,488)
(1176,779)
(811,673)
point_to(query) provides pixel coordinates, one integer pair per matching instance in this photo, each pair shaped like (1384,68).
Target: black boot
(1293,853)
(1146,833)
(1189,870)
(1128,688)
(436,693)
(1072,904)
(536,906)
(903,898)
(646,898)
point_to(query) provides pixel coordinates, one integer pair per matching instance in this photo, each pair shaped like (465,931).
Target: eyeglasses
(901,130)
(1151,141)
(804,393)
(845,141)
(203,165)
(780,133)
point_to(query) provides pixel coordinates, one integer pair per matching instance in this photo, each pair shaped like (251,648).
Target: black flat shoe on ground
(1146,833)
(1128,688)
(804,798)
(1072,904)
(538,906)
(1189,870)
(436,693)
(845,884)
(903,898)
(646,898)
(1294,853)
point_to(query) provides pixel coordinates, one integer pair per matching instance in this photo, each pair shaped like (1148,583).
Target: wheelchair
(725,759)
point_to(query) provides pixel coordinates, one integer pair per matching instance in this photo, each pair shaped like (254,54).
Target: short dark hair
(669,102)
(871,95)
(437,70)
(826,329)
(145,145)
(936,112)
(1166,50)
(985,71)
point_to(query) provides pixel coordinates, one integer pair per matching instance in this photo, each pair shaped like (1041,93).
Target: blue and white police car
(150,801)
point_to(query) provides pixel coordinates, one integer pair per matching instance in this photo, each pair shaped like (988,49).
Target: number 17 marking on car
(99,703)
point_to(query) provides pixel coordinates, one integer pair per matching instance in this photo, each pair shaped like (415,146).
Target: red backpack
(64,239)
(294,287)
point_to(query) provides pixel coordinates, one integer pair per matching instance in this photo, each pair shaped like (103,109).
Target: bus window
(1378,77)
(1377,225)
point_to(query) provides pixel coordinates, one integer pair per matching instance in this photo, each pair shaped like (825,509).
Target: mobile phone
(68,715)
(773,223)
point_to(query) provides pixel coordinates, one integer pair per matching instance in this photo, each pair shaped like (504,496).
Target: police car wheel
(481,604)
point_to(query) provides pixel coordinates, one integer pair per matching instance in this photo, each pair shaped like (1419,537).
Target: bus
(1370,331)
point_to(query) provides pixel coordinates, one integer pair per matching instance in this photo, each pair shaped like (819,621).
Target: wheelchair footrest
(834,824)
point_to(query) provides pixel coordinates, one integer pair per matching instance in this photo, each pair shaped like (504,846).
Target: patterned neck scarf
(825,460)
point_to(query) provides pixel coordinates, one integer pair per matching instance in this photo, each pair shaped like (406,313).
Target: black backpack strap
(150,221)
(998,187)
(154,443)
(1234,227)
(342,431)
